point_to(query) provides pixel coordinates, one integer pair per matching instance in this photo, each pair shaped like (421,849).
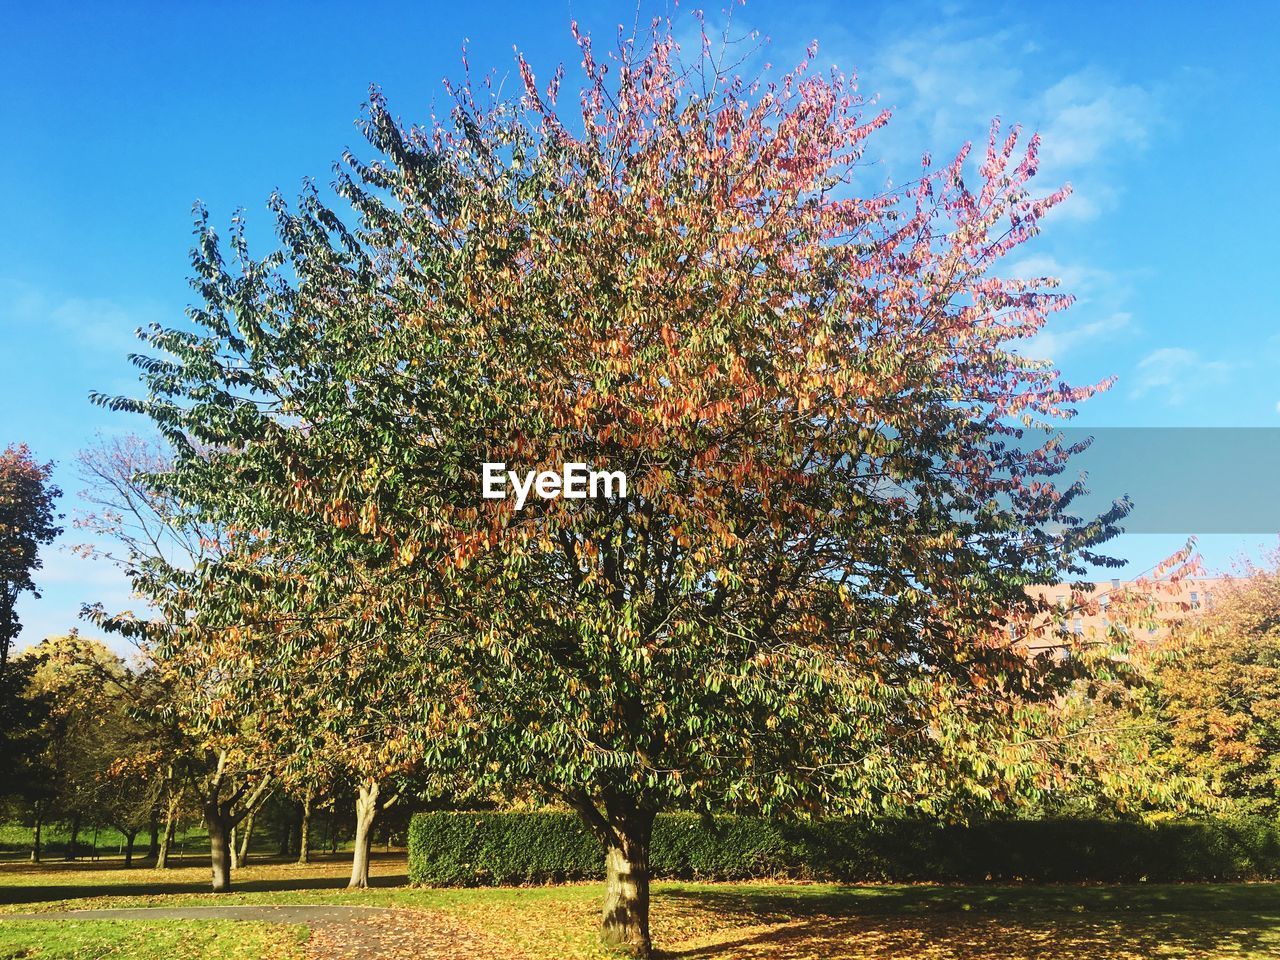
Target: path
(338,931)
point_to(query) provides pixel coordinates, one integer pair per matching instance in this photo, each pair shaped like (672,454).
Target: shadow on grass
(37,883)
(801,899)
(969,938)
(966,923)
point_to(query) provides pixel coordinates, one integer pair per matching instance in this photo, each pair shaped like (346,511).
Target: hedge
(468,849)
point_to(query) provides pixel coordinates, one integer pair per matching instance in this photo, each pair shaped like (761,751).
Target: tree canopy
(840,471)
(1220,687)
(28,521)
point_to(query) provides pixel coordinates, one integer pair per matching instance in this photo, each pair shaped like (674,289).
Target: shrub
(465,849)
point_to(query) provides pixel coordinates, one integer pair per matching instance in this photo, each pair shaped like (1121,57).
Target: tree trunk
(243,858)
(75,838)
(128,847)
(285,824)
(219,848)
(626,896)
(366,811)
(170,828)
(304,830)
(153,825)
(35,835)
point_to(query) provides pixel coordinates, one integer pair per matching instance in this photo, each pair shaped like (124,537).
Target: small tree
(28,520)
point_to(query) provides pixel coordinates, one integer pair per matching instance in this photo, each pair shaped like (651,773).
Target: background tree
(28,520)
(837,475)
(1220,682)
(25,727)
(87,734)
(216,758)
(1109,729)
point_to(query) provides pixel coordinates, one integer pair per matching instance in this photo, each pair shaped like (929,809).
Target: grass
(189,841)
(694,921)
(161,940)
(15,841)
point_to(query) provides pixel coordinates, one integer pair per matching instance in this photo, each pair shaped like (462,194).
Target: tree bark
(170,828)
(219,847)
(153,825)
(222,817)
(625,923)
(366,811)
(243,858)
(304,831)
(75,838)
(128,847)
(35,837)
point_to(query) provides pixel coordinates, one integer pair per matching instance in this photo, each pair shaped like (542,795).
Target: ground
(288,912)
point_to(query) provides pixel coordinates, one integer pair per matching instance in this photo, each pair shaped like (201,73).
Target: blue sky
(115,118)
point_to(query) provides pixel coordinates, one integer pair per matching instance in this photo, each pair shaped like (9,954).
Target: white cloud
(1084,281)
(91,325)
(1060,336)
(1098,315)
(64,566)
(945,81)
(1177,373)
(1089,118)
(66,581)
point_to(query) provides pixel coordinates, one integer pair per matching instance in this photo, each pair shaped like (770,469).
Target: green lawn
(15,841)
(192,841)
(164,940)
(692,921)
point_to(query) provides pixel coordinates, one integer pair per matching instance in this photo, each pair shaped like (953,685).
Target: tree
(28,520)
(160,545)
(1219,679)
(25,727)
(840,469)
(91,759)
(1108,731)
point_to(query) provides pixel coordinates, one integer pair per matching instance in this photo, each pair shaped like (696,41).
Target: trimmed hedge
(468,849)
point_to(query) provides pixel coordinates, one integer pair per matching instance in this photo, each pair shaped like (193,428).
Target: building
(1149,609)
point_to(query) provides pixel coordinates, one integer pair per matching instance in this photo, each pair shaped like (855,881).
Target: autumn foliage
(1219,681)
(28,520)
(841,469)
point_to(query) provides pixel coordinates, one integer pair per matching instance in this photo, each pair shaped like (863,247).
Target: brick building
(1088,617)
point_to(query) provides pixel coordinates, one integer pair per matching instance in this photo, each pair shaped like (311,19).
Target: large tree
(837,473)
(28,520)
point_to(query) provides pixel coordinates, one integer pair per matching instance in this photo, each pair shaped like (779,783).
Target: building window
(1195,600)
(1077,627)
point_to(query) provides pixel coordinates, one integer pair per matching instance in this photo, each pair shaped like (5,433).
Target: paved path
(338,931)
